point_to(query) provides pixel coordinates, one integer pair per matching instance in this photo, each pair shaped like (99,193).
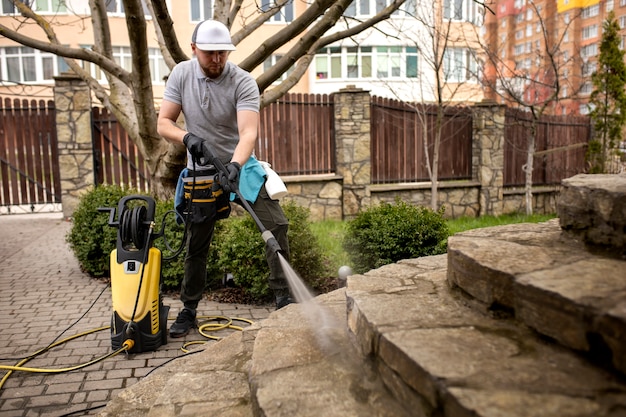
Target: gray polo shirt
(210,105)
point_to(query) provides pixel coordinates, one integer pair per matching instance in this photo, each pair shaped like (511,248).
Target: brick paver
(45,297)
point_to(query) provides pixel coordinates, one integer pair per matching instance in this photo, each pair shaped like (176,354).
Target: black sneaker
(186,320)
(282,301)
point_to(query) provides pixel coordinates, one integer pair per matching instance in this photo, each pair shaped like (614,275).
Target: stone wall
(349,190)
(72,99)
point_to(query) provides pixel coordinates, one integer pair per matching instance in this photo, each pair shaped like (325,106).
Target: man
(220,105)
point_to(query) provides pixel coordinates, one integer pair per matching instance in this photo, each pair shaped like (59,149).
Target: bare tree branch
(166,35)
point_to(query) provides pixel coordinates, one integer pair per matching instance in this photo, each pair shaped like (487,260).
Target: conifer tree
(608,99)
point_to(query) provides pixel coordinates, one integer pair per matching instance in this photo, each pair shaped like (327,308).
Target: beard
(213,70)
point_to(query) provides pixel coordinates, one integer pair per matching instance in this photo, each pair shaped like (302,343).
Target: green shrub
(387,233)
(91,238)
(237,245)
(171,245)
(242,252)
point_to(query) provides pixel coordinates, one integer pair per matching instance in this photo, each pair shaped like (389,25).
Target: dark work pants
(199,238)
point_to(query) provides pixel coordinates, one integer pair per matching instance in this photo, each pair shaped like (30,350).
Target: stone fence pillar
(488,156)
(72,99)
(352,141)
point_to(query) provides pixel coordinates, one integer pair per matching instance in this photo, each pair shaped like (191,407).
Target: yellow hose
(205,328)
(19,367)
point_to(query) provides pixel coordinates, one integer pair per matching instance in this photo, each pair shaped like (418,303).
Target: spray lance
(268,236)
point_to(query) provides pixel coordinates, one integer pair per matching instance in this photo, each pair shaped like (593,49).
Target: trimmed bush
(170,244)
(237,245)
(387,233)
(91,238)
(242,252)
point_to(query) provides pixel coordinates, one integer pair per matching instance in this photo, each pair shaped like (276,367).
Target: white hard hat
(212,35)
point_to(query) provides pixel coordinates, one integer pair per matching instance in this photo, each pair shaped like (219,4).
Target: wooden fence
(29,161)
(297,138)
(297,135)
(116,158)
(560,147)
(399,132)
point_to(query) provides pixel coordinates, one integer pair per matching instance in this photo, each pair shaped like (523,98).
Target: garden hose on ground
(204,329)
(19,366)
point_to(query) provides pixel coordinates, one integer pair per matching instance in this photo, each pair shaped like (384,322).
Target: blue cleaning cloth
(179,196)
(251,179)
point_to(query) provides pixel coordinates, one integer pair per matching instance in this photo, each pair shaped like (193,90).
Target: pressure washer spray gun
(268,237)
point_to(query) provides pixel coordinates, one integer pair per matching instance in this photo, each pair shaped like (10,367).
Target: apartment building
(391,60)
(537,45)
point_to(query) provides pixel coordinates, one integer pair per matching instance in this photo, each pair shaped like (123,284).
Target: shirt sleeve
(248,95)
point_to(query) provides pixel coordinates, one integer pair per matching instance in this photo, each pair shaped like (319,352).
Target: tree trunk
(528,169)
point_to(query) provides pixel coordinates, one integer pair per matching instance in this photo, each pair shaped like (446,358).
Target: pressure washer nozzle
(271,241)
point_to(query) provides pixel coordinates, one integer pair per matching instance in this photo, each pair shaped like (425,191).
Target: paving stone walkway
(45,297)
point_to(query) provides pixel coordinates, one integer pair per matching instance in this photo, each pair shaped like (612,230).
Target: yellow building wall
(565,5)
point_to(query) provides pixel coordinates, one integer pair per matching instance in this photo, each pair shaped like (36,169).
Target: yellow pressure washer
(139,316)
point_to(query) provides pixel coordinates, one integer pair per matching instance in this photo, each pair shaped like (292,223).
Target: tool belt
(205,199)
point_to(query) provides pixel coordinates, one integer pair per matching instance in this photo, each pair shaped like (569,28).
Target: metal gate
(29,162)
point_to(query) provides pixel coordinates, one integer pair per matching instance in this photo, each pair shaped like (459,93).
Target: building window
(123,57)
(201,10)
(591,11)
(459,65)
(116,7)
(589,50)
(40,6)
(609,5)
(408,8)
(586,88)
(463,10)
(158,68)
(20,64)
(285,15)
(589,68)
(361,61)
(590,32)
(271,61)
(364,8)
(328,63)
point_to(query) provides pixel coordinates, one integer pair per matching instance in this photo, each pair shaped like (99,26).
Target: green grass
(330,232)
(330,236)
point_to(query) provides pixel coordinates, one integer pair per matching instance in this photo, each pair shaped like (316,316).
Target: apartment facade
(391,60)
(544,47)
